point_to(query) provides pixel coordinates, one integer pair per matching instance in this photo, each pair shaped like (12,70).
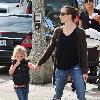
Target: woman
(90,18)
(69,43)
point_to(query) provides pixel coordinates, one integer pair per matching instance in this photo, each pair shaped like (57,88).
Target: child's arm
(13,67)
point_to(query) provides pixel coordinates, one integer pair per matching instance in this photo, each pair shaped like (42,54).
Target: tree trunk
(39,44)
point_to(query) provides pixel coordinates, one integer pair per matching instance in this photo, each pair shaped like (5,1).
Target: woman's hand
(36,67)
(85,77)
(33,67)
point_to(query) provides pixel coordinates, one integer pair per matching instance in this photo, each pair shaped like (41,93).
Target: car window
(9,1)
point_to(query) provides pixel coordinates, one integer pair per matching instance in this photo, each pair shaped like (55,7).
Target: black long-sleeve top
(66,51)
(81,47)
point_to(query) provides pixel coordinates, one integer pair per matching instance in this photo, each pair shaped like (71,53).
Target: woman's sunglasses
(62,14)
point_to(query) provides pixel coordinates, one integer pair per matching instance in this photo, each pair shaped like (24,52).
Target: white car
(7,6)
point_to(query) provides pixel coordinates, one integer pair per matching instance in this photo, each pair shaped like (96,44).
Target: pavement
(44,91)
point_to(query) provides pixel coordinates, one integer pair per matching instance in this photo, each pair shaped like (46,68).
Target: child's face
(19,56)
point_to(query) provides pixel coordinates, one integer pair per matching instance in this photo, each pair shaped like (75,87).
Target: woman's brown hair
(86,1)
(71,11)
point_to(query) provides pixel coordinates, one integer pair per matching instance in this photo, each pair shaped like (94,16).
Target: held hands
(36,67)
(33,67)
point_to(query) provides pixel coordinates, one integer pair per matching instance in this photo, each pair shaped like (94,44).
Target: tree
(39,43)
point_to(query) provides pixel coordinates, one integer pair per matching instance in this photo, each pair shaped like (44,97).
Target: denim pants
(61,80)
(22,92)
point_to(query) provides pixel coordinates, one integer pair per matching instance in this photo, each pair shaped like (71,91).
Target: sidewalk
(45,92)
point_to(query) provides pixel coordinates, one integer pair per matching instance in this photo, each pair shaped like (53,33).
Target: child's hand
(17,63)
(13,67)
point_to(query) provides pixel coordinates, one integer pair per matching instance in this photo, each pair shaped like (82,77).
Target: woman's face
(89,5)
(20,56)
(64,17)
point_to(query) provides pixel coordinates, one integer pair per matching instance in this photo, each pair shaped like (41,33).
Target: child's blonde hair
(17,49)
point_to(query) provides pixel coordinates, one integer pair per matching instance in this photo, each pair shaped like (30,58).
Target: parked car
(7,6)
(15,30)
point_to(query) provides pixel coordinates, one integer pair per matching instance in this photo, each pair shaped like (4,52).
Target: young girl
(20,72)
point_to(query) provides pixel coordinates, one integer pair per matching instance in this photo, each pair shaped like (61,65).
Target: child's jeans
(61,80)
(22,92)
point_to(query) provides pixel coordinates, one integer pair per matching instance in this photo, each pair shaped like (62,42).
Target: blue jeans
(61,80)
(22,92)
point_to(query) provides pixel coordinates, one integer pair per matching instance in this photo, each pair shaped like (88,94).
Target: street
(44,92)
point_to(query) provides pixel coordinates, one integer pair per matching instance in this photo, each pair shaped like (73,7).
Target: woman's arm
(83,52)
(48,52)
